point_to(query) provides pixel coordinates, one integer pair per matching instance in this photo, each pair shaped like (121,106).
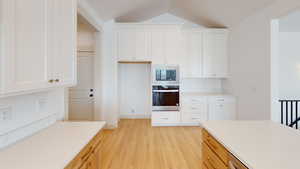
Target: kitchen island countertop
(258,144)
(51,148)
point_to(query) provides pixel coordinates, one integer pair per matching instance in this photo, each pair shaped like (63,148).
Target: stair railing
(289,113)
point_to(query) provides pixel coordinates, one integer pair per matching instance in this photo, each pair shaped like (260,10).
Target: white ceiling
(211,13)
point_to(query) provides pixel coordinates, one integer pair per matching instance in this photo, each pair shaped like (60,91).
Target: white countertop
(258,144)
(51,148)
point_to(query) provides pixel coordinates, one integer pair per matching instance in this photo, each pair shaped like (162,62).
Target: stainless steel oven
(165,98)
(165,74)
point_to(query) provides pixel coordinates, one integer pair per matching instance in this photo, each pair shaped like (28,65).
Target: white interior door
(82,95)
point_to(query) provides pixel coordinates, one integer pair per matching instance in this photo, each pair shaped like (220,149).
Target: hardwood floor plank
(138,145)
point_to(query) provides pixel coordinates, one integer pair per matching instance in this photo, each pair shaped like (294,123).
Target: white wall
(85,36)
(135,90)
(29,114)
(289,67)
(106,77)
(201,85)
(250,61)
(290,23)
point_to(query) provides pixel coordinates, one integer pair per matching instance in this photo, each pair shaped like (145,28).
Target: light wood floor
(137,145)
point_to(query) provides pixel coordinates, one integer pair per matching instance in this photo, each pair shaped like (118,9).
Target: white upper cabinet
(64,60)
(165,44)
(25,44)
(215,56)
(173,46)
(34,52)
(157,46)
(200,53)
(192,64)
(132,43)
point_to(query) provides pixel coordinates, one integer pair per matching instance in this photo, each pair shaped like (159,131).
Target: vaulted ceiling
(210,13)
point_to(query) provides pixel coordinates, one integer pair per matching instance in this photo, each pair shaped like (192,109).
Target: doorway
(285,69)
(81,96)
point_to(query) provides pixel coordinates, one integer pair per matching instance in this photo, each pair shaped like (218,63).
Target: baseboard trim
(135,116)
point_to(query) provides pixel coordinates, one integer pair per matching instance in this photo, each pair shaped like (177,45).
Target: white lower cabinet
(193,109)
(165,118)
(196,109)
(222,108)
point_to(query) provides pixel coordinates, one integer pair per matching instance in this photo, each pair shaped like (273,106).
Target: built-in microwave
(165,74)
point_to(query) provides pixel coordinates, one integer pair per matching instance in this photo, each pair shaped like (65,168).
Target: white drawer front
(165,117)
(191,117)
(194,107)
(193,99)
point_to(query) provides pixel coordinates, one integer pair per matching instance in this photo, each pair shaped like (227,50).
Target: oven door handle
(165,91)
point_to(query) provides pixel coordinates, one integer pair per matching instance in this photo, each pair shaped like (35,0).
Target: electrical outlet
(41,105)
(5,113)
(132,111)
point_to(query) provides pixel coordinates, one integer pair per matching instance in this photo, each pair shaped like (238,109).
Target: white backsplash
(22,116)
(201,85)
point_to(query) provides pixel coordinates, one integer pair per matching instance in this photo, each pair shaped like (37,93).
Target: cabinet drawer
(215,146)
(193,100)
(210,159)
(165,117)
(193,107)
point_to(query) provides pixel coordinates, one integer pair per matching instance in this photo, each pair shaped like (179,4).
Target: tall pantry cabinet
(38,45)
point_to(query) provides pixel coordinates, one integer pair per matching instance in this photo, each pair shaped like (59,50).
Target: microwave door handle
(165,91)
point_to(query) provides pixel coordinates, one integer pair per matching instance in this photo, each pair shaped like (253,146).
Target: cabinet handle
(165,118)
(56,80)
(51,81)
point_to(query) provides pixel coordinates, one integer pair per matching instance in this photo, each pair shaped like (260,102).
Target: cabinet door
(25,54)
(64,59)
(192,64)
(142,45)
(132,44)
(221,109)
(173,46)
(215,57)
(125,44)
(157,46)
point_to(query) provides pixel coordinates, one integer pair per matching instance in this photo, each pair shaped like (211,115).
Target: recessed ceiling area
(210,13)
